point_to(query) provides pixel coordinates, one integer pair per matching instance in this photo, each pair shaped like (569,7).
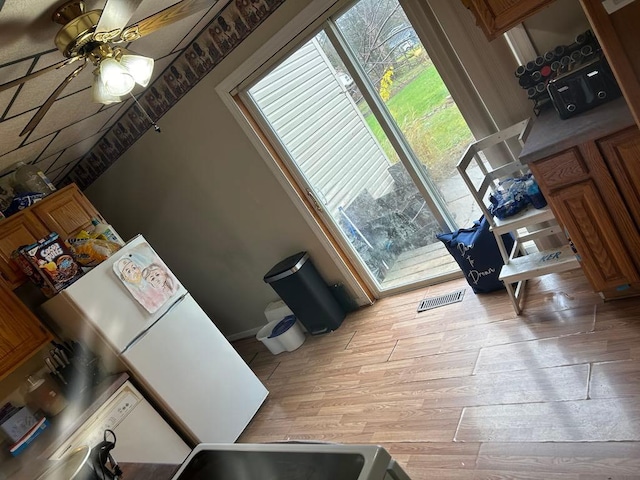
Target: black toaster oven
(584,86)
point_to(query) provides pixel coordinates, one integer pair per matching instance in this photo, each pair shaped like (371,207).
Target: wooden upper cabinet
(24,228)
(495,17)
(21,333)
(66,211)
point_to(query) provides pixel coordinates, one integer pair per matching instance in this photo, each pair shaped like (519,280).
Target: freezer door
(195,374)
(101,299)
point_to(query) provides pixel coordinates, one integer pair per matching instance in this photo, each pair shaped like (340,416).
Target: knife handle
(62,379)
(57,361)
(65,347)
(49,364)
(52,368)
(63,356)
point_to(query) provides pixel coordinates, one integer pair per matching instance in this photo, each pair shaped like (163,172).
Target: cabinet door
(497,16)
(605,259)
(66,211)
(621,152)
(585,198)
(21,334)
(21,229)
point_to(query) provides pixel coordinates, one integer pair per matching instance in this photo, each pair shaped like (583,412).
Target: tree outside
(391,54)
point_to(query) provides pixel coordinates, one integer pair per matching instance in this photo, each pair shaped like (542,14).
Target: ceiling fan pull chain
(155,125)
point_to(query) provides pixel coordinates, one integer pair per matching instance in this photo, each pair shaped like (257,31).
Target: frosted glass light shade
(139,67)
(100,94)
(116,79)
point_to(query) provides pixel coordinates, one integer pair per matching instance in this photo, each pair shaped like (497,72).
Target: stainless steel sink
(289,462)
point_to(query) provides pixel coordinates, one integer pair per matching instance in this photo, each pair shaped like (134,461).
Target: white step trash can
(283,333)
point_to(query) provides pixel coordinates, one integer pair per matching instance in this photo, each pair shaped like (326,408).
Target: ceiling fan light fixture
(116,79)
(139,67)
(94,36)
(100,94)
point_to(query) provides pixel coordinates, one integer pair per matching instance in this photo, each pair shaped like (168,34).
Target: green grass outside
(420,96)
(430,121)
(447,129)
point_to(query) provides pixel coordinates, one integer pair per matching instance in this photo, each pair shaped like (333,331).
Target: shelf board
(538,264)
(526,218)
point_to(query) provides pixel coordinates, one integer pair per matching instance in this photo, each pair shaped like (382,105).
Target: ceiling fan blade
(31,76)
(115,16)
(52,98)
(165,17)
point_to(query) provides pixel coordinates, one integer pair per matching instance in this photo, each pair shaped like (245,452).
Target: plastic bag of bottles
(22,201)
(514,195)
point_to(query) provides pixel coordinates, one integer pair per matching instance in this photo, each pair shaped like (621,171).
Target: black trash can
(299,284)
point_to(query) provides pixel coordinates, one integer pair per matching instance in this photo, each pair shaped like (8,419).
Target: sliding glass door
(370,132)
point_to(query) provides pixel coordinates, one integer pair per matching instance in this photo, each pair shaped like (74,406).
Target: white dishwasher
(142,435)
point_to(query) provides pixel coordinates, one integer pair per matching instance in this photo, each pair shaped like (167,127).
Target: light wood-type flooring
(469,390)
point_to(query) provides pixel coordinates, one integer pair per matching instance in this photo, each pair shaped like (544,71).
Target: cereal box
(54,261)
(20,258)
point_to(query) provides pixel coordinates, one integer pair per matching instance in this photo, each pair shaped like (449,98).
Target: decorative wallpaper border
(235,21)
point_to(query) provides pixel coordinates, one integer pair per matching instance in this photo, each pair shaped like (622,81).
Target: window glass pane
(386,45)
(320,117)
(343,156)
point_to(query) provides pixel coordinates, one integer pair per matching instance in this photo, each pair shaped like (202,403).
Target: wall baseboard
(245,334)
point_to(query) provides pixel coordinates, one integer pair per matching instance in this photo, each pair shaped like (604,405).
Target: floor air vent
(442,300)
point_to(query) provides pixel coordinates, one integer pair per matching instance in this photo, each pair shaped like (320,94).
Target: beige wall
(556,25)
(207,202)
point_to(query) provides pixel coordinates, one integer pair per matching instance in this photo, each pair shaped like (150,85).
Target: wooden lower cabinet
(621,152)
(605,260)
(592,191)
(21,333)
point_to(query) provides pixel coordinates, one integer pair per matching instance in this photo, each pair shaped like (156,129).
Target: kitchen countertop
(30,463)
(550,134)
(148,471)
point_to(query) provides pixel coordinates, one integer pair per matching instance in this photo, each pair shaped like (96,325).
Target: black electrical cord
(114,465)
(103,455)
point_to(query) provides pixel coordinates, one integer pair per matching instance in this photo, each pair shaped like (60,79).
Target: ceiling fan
(95,36)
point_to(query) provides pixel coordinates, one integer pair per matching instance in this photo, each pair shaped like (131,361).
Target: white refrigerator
(176,353)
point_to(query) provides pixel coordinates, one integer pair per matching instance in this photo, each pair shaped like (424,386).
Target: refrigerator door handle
(141,335)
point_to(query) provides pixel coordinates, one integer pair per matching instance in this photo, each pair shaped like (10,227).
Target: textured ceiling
(74,123)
